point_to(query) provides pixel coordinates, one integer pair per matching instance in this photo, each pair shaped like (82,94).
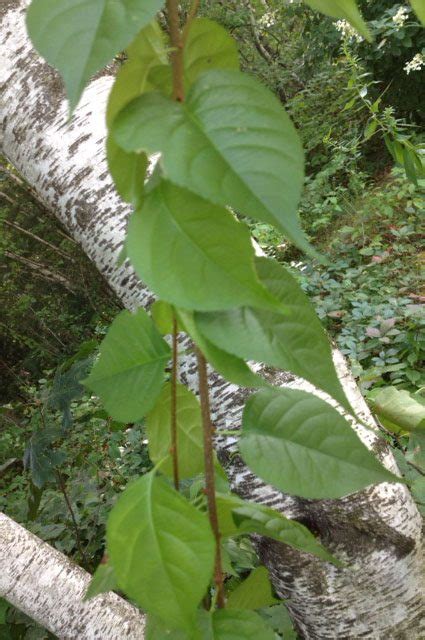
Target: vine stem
(177,50)
(174,374)
(209,474)
(71,511)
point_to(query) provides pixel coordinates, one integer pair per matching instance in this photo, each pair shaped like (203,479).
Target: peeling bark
(377,532)
(47,586)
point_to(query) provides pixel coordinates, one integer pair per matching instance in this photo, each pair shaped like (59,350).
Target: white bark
(47,586)
(377,531)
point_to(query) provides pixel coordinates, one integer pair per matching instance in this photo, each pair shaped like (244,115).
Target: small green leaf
(303,446)
(207,46)
(278,618)
(231,624)
(163,316)
(226,364)
(40,457)
(293,341)
(162,549)
(129,374)
(231,142)
(238,517)
(343,9)
(103,580)
(254,592)
(79,37)
(189,432)
(419,8)
(146,52)
(370,129)
(128,171)
(192,253)
(399,407)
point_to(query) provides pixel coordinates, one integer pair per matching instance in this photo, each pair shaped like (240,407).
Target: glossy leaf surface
(162,550)
(129,374)
(189,432)
(303,446)
(231,142)
(193,253)
(79,37)
(293,341)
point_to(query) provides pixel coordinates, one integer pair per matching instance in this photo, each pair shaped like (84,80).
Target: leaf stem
(209,474)
(174,374)
(177,50)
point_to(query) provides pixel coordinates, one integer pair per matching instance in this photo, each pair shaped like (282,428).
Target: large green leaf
(162,549)
(129,374)
(231,142)
(294,340)
(343,9)
(207,46)
(399,407)
(128,171)
(238,517)
(226,364)
(189,432)
(303,446)
(254,592)
(79,37)
(193,253)
(419,7)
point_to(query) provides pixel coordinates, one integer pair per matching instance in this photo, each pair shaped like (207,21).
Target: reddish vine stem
(209,474)
(174,374)
(177,51)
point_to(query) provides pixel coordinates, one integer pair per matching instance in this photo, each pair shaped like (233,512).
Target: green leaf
(226,364)
(399,407)
(231,142)
(254,592)
(129,374)
(370,129)
(128,171)
(303,446)
(343,9)
(103,580)
(4,605)
(146,52)
(278,618)
(189,432)
(231,624)
(207,46)
(67,387)
(238,517)
(162,549)
(79,37)
(419,8)
(163,315)
(293,341)
(40,457)
(193,253)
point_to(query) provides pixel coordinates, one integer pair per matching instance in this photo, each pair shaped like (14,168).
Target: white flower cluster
(347,31)
(268,19)
(400,17)
(415,64)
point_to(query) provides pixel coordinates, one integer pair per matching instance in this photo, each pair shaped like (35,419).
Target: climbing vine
(219,144)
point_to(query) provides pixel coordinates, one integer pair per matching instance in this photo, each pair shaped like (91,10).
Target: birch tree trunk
(377,532)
